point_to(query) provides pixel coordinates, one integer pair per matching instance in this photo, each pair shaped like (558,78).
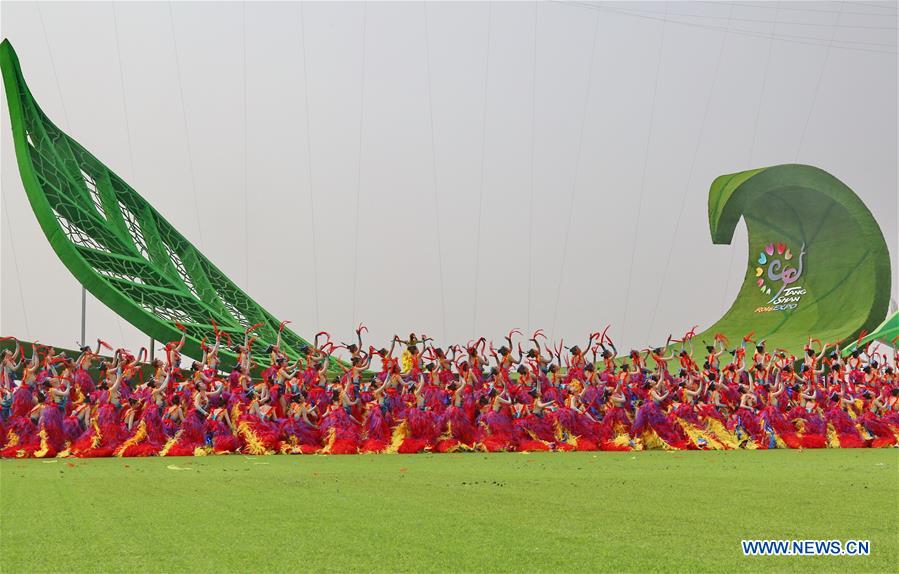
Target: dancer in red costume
(495,422)
(542,399)
(651,424)
(534,430)
(300,433)
(341,432)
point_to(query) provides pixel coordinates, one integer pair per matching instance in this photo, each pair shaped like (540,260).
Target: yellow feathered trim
(254,445)
(833,441)
(329,441)
(45,445)
(202,451)
(622,440)
(864,432)
(292,446)
(558,432)
(448,434)
(65,453)
(171,442)
(406,361)
(98,436)
(696,434)
(12,439)
(460,447)
(139,435)
(727,439)
(561,434)
(400,432)
(235,413)
(536,438)
(779,441)
(745,440)
(652,440)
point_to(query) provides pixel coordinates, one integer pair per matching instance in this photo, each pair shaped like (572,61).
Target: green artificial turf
(565,512)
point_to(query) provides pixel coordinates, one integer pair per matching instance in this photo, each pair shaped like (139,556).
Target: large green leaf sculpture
(116,244)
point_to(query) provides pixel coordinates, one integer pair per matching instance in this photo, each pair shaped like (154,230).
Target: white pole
(83,314)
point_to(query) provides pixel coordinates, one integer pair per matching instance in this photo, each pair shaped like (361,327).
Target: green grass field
(565,512)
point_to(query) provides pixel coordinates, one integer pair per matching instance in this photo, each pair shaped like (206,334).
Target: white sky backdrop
(629,111)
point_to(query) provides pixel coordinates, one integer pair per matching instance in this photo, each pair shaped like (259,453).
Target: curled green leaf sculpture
(818,263)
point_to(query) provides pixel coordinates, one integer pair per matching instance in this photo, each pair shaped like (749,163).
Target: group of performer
(528,395)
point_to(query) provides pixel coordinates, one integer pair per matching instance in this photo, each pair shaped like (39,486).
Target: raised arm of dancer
(316,351)
(198,404)
(206,378)
(392,346)
(13,364)
(85,352)
(379,391)
(118,381)
(512,348)
(746,402)
(359,335)
(537,345)
(672,353)
(589,342)
(304,414)
(780,389)
(18,352)
(366,362)
(216,393)
(346,399)
(35,357)
(324,368)
(180,344)
(494,355)
(59,393)
(160,390)
(298,365)
(693,394)
(613,354)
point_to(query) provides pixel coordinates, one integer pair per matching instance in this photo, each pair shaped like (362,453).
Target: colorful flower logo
(774,273)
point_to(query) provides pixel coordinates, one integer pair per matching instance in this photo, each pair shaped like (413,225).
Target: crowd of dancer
(528,395)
